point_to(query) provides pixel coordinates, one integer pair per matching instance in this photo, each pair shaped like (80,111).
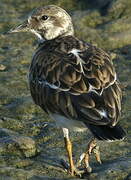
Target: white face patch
(40,38)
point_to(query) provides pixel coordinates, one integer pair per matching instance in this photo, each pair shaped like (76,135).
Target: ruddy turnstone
(74,82)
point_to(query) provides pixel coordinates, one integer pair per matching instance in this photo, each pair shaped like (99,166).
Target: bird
(74,82)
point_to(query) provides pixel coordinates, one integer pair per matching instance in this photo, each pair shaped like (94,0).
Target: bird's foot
(76,172)
(73,171)
(84,158)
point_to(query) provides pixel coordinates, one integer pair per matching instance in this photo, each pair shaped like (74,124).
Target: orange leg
(68,145)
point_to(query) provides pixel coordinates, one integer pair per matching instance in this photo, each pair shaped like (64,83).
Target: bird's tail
(104,132)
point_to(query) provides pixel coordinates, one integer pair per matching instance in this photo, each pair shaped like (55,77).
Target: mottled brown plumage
(73,81)
(77,94)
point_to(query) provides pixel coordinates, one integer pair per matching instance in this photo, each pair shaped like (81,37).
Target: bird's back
(75,80)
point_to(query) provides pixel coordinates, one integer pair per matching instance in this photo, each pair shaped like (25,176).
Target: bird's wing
(78,83)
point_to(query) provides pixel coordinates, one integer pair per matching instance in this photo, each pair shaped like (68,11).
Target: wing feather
(76,80)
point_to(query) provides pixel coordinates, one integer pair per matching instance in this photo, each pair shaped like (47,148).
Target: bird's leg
(80,160)
(92,147)
(68,145)
(96,151)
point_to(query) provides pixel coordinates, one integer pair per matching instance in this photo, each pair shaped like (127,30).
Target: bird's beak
(24,27)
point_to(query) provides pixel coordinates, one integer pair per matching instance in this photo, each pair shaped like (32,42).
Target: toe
(77,172)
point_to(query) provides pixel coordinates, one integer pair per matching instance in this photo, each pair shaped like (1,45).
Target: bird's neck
(59,32)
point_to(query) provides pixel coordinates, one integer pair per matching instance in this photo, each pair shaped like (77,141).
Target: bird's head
(47,23)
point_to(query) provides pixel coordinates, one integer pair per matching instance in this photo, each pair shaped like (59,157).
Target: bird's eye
(44,17)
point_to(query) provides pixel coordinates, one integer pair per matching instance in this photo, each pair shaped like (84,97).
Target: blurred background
(30,145)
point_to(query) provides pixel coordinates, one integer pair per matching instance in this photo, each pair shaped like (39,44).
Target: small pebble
(2,67)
